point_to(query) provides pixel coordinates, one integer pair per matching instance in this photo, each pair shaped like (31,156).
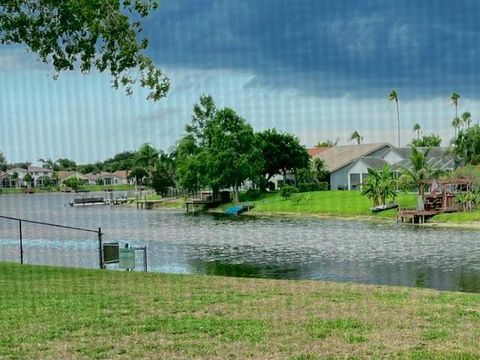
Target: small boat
(238,209)
(381,208)
(88,201)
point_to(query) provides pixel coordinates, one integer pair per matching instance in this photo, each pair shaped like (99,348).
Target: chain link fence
(42,243)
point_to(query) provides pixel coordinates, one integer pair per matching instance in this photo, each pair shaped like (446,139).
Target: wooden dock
(415,216)
(206,199)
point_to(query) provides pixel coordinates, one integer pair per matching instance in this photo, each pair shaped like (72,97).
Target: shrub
(314,186)
(287,191)
(251,194)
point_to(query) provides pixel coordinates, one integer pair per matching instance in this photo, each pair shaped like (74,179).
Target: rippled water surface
(247,246)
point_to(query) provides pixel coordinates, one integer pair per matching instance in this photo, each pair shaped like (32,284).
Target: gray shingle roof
(373,162)
(339,156)
(437,157)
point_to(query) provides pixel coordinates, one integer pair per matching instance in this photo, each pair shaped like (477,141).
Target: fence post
(145,266)
(100,250)
(21,240)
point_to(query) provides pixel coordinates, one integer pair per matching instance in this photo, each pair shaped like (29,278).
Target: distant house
(15,177)
(349,164)
(339,160)
(123,176)
(106,178)
(62,176)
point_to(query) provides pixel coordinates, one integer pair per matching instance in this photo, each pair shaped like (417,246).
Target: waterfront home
(349,164)
(62,176)
(106,178)
(15,177)
(340,159)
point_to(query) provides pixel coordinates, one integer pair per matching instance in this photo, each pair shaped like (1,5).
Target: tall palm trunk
(398,122)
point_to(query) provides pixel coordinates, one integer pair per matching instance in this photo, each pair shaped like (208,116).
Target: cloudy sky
(318,69)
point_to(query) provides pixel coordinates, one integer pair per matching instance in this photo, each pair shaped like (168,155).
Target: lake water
(293,248)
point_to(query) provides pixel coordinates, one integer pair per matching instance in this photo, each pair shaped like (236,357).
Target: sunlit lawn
(55,313)
(333,203)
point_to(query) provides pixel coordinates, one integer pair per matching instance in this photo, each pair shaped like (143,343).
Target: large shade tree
(218,151)
(281,153)
(466,146)
(86,35)
(431,140)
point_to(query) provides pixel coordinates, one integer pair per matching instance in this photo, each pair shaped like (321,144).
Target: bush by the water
(313,186)
(287,191)
(251,194)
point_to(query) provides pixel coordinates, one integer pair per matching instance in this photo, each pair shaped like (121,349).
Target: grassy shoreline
(50,312)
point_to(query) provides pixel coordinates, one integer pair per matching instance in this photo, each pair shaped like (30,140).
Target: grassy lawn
(120,187)
(333,203)
(458,218)
(56,313)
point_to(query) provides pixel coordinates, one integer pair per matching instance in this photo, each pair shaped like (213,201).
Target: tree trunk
(398,123)
(284,177)
(235,193)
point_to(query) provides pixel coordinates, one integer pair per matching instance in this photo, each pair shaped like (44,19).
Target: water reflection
(287,248)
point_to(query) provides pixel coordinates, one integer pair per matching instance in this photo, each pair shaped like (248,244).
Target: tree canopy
(218,151)
(281,152)
(466,146)
(3,162)
(78,34)
(427,141)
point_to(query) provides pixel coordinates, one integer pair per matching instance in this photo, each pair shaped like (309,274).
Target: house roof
(316,150)
(373,162)
(62,175)
(437,157)
(123,174)
(37,169)
(103,174)
(339,156)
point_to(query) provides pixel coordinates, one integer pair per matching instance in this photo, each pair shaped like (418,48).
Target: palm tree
(47,164)
(456,123)
(394,97)
(147,157)
(417,128)
(466,119)
(419,170)
(357,137)
(454,98)
(380,186)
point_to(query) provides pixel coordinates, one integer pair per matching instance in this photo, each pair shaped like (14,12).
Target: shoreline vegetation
(345,205)
(49,312)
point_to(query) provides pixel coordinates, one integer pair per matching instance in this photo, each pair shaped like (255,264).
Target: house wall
(339,178)
(279,178)
(360,169)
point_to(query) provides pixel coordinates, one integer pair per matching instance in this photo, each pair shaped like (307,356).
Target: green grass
(121,187)
(458,218)
(57,313)
(332,203)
